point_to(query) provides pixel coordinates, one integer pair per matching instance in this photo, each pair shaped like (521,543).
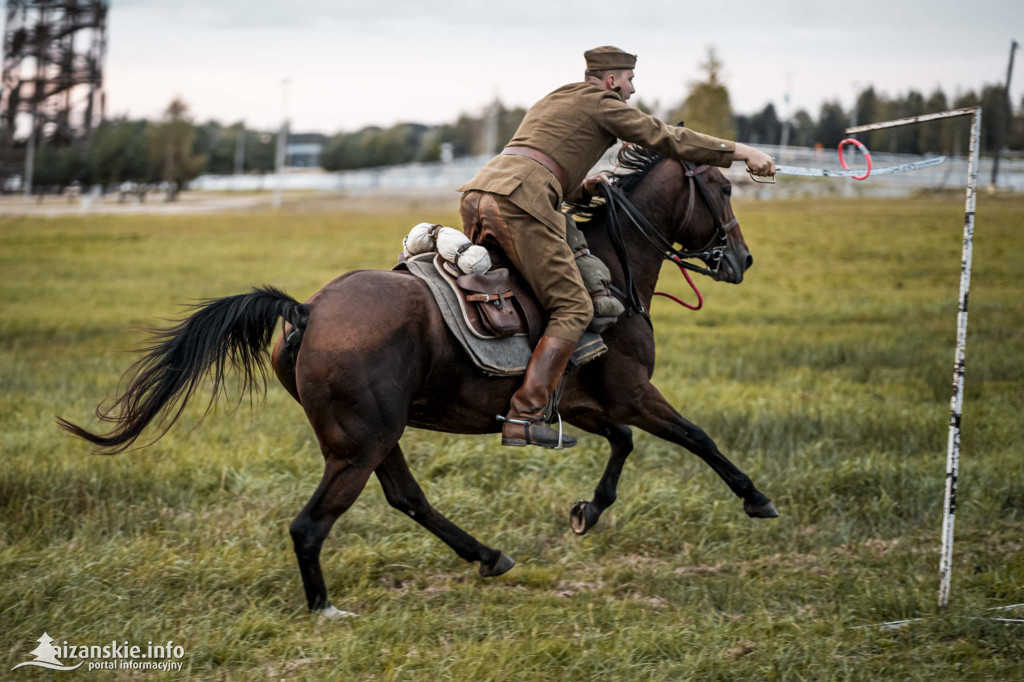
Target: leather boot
(546,366)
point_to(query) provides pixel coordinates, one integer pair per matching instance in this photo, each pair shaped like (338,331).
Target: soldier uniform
(514,202)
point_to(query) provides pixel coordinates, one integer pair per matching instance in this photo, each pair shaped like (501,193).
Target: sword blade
(816,172)
(909,166)
(830,173)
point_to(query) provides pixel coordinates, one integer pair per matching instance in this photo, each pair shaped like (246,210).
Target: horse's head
(707,226)
(667,203)
(688,205)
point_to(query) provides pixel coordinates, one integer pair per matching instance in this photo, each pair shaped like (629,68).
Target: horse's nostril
(748,262)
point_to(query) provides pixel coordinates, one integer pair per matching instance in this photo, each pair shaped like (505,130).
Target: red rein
(700,299)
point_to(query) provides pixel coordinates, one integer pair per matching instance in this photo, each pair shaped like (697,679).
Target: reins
(617,203)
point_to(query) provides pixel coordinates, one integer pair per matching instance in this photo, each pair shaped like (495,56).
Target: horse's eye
(727,189)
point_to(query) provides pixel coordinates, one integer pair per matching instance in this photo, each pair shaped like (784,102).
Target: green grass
(826,376)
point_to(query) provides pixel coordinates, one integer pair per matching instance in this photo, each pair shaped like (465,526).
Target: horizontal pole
(967,111)
(897,624)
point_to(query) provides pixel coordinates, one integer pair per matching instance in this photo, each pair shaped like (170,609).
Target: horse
(370,354)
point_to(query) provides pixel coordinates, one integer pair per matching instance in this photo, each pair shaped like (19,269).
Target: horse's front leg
(657,417)
(585,513)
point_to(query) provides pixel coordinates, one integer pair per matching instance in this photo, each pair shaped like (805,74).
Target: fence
(439,178)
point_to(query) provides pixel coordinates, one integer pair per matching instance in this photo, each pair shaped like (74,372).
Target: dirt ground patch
(199,203)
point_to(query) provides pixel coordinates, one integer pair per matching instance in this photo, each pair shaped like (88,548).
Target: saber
(829,173)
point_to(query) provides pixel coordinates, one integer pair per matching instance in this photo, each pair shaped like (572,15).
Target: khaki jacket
(575,125)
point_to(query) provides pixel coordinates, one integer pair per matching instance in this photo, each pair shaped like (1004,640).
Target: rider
(514,202)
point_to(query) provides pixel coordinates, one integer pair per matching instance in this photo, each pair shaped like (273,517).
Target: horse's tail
(227,331)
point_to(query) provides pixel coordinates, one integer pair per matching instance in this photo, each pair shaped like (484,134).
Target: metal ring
(863,149)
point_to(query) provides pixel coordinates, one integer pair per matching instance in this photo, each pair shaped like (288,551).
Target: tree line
(409,142)
(126,151)
(707,108)
(1001,129)
(173,150)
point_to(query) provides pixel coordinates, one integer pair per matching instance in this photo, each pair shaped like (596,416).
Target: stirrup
(526,431)
(559,446)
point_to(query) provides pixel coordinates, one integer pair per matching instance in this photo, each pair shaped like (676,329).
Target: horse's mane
(636,162)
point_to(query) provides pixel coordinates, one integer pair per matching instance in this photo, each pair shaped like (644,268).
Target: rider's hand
(758,162)
(592,183)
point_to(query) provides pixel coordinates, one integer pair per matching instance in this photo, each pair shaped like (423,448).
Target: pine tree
(171,149)
(707,108)
(832,124)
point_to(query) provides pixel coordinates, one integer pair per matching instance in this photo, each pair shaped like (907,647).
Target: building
(304,149)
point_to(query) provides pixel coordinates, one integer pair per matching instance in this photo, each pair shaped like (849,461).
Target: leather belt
(544,160)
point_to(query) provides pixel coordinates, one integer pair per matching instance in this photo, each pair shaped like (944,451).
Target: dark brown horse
(369,355)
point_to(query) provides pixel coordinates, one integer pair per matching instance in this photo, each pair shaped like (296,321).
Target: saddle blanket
(497,357)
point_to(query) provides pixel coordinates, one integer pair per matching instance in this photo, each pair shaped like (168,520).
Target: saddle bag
(490,299)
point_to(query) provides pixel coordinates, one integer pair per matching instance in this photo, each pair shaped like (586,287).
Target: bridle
(711,253)
(715,248)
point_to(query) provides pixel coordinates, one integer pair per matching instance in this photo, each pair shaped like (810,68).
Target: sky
(334,65)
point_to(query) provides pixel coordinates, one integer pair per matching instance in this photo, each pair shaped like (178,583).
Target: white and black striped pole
(957,401)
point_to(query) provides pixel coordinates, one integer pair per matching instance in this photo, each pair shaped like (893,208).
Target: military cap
(608,57)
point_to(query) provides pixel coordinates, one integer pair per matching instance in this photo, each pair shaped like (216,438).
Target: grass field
(825,375)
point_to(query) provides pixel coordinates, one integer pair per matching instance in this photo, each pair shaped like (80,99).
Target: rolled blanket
(452,244)
(418,241)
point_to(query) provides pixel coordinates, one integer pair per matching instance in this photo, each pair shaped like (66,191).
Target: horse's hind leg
(405,495)
(341,484)
(585,513)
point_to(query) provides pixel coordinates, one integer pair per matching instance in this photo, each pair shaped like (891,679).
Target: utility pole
(1009,103)
(30,159)
(282,145)
(240,150)
(784,142)
(856,106)
(490,133)
(848,186)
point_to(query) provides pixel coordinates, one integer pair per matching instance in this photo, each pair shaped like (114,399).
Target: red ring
(867,157)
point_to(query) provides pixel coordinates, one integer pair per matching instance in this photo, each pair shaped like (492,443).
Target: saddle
(495,304)
(494,355)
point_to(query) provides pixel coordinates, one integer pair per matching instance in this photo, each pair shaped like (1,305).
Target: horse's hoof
(331,613)
(583,516)
(503,564)
(760,510)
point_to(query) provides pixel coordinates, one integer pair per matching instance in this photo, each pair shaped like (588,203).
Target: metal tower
(51,87)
